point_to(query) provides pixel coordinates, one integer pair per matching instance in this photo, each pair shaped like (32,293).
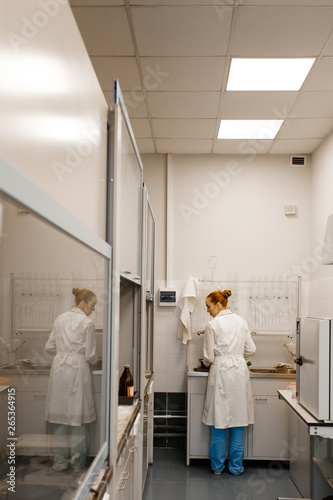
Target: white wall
(53,112)
(155,177)
(231,207)
(321,277)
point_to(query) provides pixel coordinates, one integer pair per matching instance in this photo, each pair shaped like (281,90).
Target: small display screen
(167,297)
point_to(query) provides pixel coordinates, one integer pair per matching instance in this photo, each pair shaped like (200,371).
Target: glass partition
(150,289)
(150,252)
(126,197)
(56,381)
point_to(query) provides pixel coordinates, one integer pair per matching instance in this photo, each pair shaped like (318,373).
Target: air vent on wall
(298,161)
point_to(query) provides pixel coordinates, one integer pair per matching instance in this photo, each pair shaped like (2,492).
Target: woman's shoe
(216,473)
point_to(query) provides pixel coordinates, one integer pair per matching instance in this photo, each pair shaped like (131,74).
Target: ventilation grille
(298,161)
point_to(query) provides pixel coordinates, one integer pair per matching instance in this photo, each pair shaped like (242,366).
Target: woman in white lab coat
(69,400)
(228,401)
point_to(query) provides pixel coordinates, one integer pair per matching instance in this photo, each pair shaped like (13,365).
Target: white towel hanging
(187,302)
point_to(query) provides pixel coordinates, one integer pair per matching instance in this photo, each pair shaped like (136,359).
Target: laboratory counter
(255,372)
(315,427)
(126,418)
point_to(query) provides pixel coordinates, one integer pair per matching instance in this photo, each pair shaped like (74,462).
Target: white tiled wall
(169,352)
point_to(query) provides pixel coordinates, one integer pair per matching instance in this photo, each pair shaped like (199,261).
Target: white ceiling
(172,58)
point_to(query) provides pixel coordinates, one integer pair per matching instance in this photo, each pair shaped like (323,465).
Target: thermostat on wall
(167,297)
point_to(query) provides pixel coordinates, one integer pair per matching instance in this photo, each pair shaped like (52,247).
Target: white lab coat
(229,400)
(69,398)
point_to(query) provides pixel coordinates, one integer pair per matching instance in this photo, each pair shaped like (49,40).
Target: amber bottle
(126,383)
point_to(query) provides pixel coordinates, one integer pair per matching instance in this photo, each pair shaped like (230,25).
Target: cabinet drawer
(268,386)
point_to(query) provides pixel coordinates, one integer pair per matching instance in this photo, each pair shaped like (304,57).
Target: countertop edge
(191,373)
(124,436)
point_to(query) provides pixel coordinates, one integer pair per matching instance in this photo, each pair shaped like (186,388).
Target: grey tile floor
(169,478)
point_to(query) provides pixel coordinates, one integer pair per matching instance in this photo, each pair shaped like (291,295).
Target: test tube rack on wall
(272,306)
(269,306)
(37,300)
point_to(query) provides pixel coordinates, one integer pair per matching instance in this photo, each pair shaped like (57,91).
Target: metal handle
(134,449)
(125,475)
(261,400)
(123,485)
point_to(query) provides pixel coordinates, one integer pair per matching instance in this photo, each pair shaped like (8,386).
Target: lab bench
(311,466)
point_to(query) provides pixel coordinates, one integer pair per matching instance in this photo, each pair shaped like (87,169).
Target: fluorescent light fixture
(249,129)
(268,74)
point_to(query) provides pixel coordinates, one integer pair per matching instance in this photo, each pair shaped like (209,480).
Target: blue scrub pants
(218,452)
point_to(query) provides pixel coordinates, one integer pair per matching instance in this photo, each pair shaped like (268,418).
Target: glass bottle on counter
(126,383)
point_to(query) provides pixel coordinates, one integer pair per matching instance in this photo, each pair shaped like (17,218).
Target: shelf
(325,466)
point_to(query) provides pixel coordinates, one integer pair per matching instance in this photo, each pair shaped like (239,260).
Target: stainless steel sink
(273,370)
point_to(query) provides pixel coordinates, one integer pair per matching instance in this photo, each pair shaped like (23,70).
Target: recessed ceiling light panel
(249,129)
(268,74)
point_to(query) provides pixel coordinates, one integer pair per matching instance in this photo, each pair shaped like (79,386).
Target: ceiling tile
(256,105)
(183,104)
(111,24)
(328,51)
(183,73)
(183,78)
(181,31)
(96,3)
(184,146)
(321,76)
(313,128)
(281,31)
(145,146)
(313,105)
(286,3)
(123,69)
(295,146)
(184,129)
(134,101)
(141,128)
(215,3)
(242,147)
(135,104)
